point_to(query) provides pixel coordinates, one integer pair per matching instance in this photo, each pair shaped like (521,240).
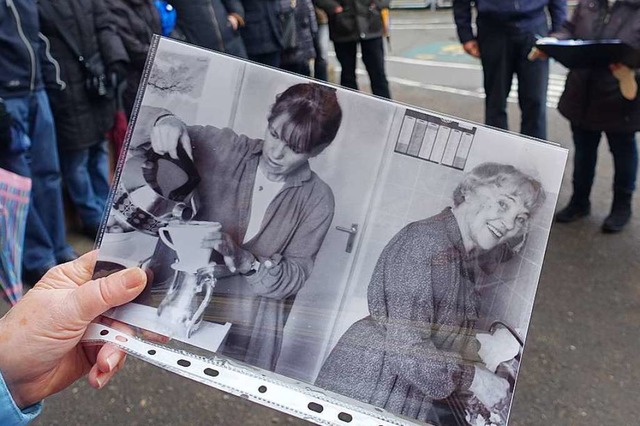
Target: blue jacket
(518,15)
(26,62)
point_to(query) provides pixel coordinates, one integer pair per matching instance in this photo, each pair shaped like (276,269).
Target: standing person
(417,346)
(213,24)
(26,65)
(273,210)
(85,110)
(321,45)
(298,58)
(353,23)
(603,100)
(506,32)
(137,21)
(262,33)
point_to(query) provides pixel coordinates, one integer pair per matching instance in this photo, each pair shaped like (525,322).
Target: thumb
(98,296)
(185,140)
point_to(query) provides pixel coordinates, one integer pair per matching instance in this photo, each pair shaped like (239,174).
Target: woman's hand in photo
(490,389)
(167,133)
(235,257)
(627,79)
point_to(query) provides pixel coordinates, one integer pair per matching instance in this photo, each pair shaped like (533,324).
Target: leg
(584,167)
(99,171)
(498,72)
(272,59)
(75,172)
(533,77)
(625,160)
(373,58)
(321,45)
(346,54)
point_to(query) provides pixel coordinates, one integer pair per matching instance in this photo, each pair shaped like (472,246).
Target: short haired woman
(417,345)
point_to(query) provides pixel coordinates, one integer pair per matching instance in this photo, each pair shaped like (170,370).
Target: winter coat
(359,20)
(306,30)
(80,120)
(137,21)
(592,99)
(521,16)
(206,24)
(24,62)
(262,33)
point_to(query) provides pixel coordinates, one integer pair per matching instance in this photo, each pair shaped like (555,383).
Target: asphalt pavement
(580,364)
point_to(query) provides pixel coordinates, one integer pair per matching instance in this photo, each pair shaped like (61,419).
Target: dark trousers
(504,53)
(271,59)
(624,149)
(373,57)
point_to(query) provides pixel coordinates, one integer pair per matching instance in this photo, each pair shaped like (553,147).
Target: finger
(230,262)
(109,356)
(186,143)
(98,296)
(156,141)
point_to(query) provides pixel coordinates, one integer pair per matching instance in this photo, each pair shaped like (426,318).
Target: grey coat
(418,343)
(359,20)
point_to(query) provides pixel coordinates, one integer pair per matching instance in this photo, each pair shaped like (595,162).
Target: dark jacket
(262,33)
(206,24)
(80,121)
(515,15)
(137,21)
(24,61)
(359,20)
(306,30)
(592,99)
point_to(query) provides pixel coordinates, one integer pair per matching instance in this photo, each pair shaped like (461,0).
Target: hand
(490,389)
(337,10)
(497,348)
(536,54)
(117,71)
(472,48)
(233,21)
(626,79)
(40,349)
(167,133)
(235,257)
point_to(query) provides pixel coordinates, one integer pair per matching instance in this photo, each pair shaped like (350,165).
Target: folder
(590,53)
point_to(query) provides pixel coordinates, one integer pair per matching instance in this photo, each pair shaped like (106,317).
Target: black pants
(504,53)
(373,58)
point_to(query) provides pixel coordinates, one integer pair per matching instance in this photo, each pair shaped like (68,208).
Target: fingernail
(133,278)
(112,361)
(100,380)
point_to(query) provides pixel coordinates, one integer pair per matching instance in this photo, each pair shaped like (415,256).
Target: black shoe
(620,214)
(573,212)
(30,277)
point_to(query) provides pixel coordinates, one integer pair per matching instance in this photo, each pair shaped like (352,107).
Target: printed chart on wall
(332,255)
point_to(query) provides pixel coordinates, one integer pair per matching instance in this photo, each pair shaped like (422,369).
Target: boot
(574,210)
(620,213)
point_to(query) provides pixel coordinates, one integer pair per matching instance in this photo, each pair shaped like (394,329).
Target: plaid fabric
(14,205)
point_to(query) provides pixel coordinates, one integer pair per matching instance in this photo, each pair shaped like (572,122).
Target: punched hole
(104,332)
(121,338)
(151,351)
(183,363)
(262,389)
(345,417)
(314,406)
(211,372)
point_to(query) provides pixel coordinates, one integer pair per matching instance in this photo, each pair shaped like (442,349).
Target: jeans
(321,45)
(625,161)
(34,154)
(504,54)
(373,58)
(86,176)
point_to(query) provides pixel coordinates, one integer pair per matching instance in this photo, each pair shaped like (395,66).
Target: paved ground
(580,366)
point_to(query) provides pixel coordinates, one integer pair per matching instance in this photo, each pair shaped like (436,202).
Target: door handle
(352,235)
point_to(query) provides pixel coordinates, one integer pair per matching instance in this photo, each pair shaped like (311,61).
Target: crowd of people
(62,63)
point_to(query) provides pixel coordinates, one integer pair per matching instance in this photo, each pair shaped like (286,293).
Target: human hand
(490,389)
(235,257)
(536,54)
(338,9)
(626,80)
(40,349)
(233,21)
(167,133)
(498,347)
(472,48)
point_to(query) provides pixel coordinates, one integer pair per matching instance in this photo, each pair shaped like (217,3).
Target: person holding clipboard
(602,99)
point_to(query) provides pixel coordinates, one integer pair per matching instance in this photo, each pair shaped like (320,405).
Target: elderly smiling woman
(417,345)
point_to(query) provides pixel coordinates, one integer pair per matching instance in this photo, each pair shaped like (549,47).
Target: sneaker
(572,212)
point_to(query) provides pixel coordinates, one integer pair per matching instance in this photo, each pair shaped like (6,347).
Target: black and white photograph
(384,254)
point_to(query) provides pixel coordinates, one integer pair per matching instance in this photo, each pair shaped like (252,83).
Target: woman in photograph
(417,345)
(273,209)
